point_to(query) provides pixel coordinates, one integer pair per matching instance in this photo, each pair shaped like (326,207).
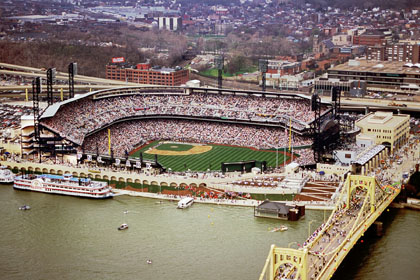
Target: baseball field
(197,157)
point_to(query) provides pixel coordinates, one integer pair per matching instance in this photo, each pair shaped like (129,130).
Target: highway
(24,71)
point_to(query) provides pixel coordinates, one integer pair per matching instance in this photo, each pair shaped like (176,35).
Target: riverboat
(185,202)
(65,185)
(6,176)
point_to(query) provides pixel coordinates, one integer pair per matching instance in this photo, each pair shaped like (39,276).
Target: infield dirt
(195,150)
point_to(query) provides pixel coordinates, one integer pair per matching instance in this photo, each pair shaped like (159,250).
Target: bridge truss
(362,199)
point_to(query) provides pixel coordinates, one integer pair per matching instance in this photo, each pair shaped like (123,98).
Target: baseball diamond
(204,157)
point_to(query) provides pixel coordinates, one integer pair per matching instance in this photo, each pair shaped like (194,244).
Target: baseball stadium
(184,128)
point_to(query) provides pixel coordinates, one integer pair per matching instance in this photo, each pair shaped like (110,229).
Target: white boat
(281,228)
(25,207)
(185,202)
(6,176)
(65,185)
(123,227)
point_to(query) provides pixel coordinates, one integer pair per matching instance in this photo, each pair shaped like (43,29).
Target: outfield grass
(174,147)
(212,159)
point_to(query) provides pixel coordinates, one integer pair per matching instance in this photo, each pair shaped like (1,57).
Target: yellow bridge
(362,200)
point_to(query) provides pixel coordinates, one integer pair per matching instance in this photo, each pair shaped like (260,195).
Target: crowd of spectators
(127,135)
(10,115)
(76,119)
(10,118)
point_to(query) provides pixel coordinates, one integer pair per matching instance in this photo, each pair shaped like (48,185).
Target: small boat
(123,227)
(149,261)
(185,202)
(280,228)
(25,207)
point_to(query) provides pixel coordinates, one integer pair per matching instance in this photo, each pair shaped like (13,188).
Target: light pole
(284,158)
(309,227)
(277,155)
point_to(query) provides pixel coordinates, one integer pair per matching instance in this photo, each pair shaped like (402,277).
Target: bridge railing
(267,274)
(327,224)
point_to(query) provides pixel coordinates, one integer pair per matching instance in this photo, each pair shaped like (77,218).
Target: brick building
(394,52)
(384,74)
(372,38)
(283,67)
(144,74)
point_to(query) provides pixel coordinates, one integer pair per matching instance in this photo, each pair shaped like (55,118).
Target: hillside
(401,4)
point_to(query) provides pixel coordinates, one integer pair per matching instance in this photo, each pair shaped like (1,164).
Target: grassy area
(214,73)
(174,147)
(212,159)
(250,69)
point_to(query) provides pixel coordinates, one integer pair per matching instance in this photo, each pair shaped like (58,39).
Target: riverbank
(412,203)
(226,202)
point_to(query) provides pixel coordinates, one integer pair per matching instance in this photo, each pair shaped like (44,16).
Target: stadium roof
(370,154)
(52,110)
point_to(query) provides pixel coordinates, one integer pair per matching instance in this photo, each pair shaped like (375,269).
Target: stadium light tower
(336,98)
(36,91)
(72,73)
(316,126)
(263,66)
(51,73)
(219,63)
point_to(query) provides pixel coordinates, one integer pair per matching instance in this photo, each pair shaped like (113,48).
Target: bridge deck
(336,243)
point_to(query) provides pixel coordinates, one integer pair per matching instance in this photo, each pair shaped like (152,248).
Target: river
(65,237)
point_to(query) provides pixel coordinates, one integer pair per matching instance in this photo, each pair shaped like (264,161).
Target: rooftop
(376,67)
(369,154)
(381,120)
